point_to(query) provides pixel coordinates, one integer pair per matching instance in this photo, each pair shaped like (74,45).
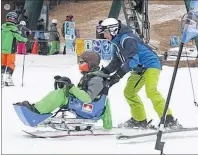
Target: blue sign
(106,50)
(97,46)
(194,5)
(191,26)
(174,41)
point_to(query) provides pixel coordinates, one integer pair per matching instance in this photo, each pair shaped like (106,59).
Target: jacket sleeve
(25,29)
(114,64)
(80,94)
(130,48)
(18,36)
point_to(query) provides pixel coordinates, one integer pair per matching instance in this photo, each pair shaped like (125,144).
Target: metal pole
(160,145)
(115,9)
(23,70)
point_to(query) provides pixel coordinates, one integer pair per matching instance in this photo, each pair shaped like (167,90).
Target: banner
(101,46)
(191,26)
(69,28)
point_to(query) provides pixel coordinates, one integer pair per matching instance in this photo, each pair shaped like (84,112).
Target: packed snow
(38,81)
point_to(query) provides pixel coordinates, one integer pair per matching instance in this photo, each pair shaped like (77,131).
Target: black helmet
(92,58)
(12,17)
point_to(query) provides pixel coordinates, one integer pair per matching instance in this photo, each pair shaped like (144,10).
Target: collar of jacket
(10,23)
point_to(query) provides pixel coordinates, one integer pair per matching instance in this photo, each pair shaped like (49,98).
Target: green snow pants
(134,84)
(55,46)
(57,98)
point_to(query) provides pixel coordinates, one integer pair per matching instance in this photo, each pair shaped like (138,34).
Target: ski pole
(192,85)
(23,70)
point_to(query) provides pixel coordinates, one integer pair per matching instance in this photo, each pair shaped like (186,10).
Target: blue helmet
(12,17)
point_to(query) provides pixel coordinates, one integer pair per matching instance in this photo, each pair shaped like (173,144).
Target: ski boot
(133,124)
(170,123)
(8,79)
(29,106)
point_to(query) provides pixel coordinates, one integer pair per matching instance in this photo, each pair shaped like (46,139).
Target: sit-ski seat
(93,110)
(28,117)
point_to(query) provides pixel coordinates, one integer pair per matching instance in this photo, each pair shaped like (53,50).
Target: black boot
(29,106)
(171,123)
(132,123)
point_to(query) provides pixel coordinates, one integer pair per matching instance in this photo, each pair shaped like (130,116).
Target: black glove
(62,81)
(116,77)
(113,79)
(104,70)
(57,77)
(139,70)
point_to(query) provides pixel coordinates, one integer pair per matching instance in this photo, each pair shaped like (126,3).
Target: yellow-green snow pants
(55,47)
(135,82)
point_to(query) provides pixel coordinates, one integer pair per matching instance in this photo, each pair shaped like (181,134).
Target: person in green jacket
(9,36)
(90,88)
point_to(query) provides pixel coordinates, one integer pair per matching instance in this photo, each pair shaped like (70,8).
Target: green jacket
(9,36)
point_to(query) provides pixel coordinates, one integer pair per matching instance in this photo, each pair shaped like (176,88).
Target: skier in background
(131,54)
(24,17)
(54,38)
(24,31)
(90,87)
(69,18)
(9,36)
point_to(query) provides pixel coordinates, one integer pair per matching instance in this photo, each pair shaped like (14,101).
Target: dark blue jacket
(129,51)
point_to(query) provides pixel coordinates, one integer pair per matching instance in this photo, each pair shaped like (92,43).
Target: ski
(59,134)
(126,137)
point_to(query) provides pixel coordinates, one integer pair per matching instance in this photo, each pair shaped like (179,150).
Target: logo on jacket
(87,107)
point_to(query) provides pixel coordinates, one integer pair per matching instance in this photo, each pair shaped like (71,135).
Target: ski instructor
(131,54)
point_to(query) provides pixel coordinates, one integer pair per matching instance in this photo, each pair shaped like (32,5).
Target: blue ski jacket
(129,51)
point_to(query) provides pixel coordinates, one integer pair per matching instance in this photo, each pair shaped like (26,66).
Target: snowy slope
(39,72)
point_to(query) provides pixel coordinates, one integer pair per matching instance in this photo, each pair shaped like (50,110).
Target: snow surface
(38,81)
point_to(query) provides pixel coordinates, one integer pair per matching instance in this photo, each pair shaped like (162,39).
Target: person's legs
(3,62)
(53,47)
(19,48)
(51,101)
(151,82)
(9,69)
(11,62)
(3,68)
(57,47)
(134,84)
(23,48)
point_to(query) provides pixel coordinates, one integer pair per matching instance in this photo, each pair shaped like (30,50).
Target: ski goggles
(102,29)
